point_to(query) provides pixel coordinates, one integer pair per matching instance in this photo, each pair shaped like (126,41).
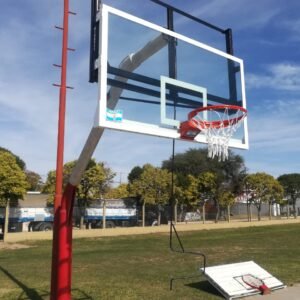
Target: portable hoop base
(228,279)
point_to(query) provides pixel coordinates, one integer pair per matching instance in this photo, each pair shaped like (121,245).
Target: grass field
(139,267)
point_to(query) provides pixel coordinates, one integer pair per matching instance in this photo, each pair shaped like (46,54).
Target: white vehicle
(116,212)
(192,217)
(37,219)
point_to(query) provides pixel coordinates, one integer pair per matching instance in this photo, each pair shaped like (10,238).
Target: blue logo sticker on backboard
(114,115)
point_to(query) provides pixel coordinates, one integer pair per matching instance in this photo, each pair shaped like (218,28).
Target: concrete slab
(289,293)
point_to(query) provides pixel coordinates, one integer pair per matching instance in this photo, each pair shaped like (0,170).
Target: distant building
(34,199)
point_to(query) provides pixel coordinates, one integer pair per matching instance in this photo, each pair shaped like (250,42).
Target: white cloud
(275,128)
(281,76)
(274,137)
(28,103)
(243,14)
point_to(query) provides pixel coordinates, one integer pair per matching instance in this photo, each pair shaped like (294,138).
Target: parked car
(192,216)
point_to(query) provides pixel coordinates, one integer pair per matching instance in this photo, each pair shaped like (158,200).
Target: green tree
(95,182)
(201,189)
(34,180)
(19,161)
(118,192)
(192,162)
(152,187)
(195,161)
(276,195)
(92,185)
(13,182)
(263,188)
(135,173)
(229,173)
(226,200)
(179,198)
(49,187)
(291,186)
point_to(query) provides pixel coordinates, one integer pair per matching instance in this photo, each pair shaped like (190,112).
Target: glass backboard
(150,78)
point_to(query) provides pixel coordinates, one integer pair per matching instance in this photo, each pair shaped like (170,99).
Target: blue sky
(266,35)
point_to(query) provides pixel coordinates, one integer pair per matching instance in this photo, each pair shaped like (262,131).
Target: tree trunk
(228,213)
(259,212)
(181,213)
(6,215)
(104,215)
(143,214)
(248,211)
(270,210)
(288,210)
(203,212)
(218,211)
(280,211)
(81,225)
(294,208)
(158,216)
(82,217)
(175,211)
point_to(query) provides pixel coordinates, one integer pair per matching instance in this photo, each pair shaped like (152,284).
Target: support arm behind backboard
(132,62)
(129,63)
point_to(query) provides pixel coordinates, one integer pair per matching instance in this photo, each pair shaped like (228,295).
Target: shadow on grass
(204,286)
(33,294)
(81,295)
(29,292)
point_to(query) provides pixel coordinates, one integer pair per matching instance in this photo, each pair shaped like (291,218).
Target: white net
(219,125)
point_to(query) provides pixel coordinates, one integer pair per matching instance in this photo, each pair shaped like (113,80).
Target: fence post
(6,222)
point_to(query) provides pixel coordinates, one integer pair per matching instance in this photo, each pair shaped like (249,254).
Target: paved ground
(289,293)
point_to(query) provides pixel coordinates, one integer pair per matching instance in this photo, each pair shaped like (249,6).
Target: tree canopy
(153,185)
(34,181)
(118,192)
(195,162)
(291,186)
(263,188)
(13,183)
(19,161)
(202,187)
(135,173)
(94,183)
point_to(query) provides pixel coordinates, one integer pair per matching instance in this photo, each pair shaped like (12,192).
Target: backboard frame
(139,127)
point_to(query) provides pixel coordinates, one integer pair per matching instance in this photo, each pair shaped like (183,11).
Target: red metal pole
(61,252)
(62,109)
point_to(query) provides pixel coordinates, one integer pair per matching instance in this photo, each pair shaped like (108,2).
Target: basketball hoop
(218,123)
(256,283)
